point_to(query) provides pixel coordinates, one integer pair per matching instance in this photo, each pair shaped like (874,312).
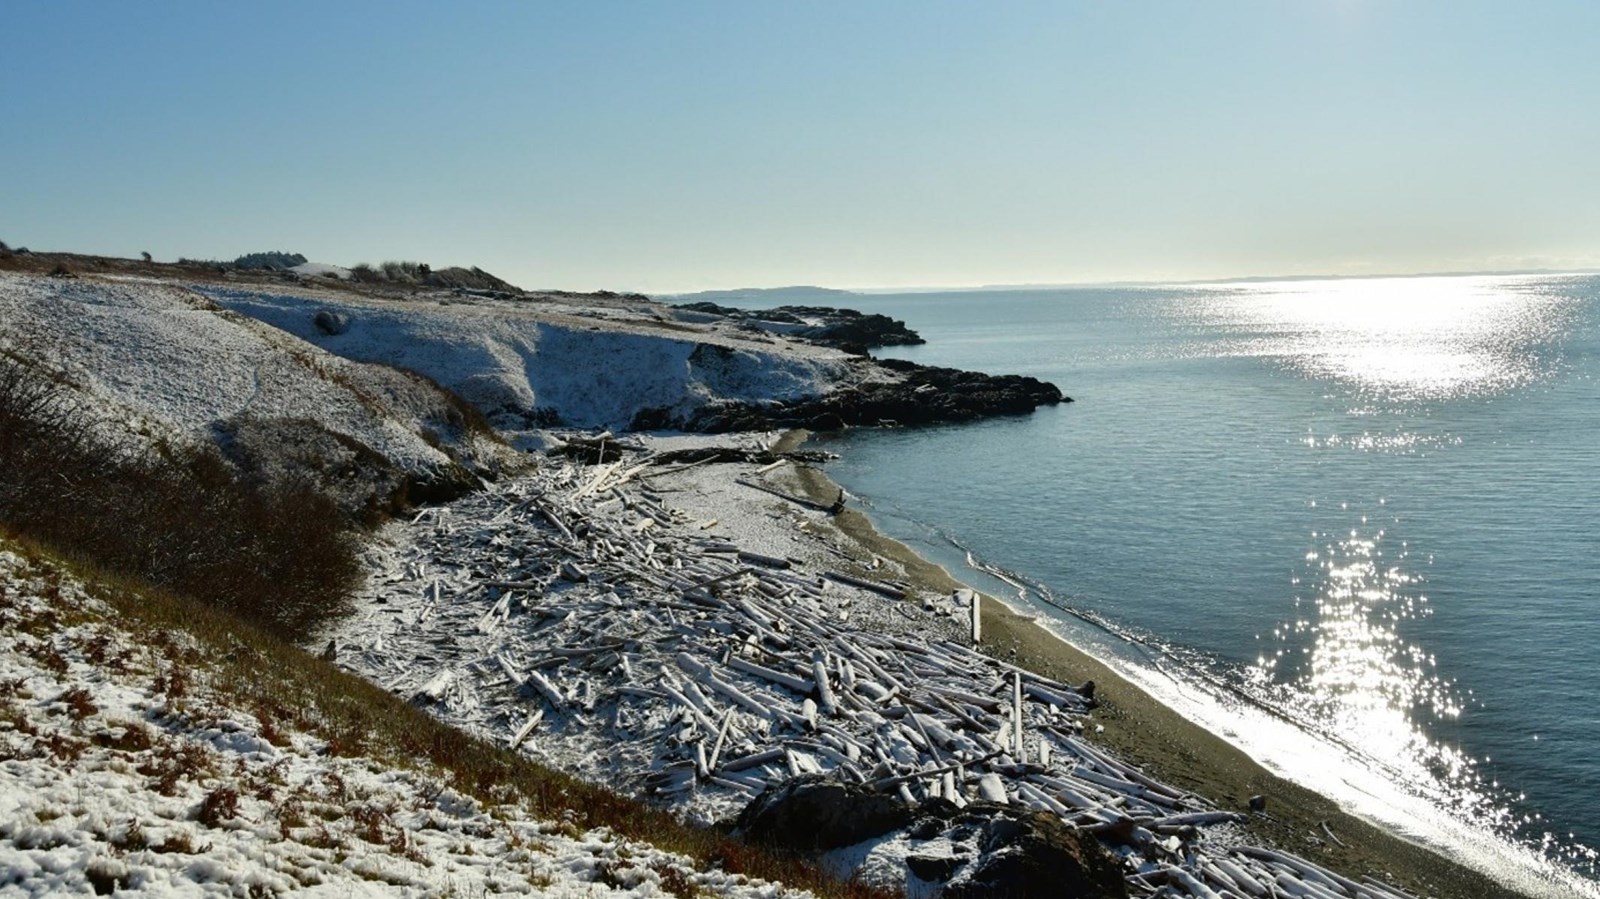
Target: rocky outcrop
(980,850)
(921,395)
(846,329)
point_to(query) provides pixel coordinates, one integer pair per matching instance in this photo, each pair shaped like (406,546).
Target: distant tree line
(272,260)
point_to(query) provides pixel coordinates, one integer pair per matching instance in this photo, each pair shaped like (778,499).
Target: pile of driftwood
(574,615)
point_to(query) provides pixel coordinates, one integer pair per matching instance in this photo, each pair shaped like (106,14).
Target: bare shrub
(219,805)
(280,555)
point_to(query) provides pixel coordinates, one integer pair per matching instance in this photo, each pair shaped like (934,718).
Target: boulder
(980,850)
(814,813)
(1031,853)
(330,322)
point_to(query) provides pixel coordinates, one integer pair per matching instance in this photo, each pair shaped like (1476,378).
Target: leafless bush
(280,555)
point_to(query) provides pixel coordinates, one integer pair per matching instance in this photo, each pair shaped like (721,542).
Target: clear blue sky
(663,146)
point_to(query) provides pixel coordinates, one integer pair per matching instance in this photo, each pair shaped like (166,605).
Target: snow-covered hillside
(127,766)
(545,359)
(152,362)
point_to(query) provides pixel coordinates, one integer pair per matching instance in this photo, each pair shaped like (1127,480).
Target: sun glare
(1398,338)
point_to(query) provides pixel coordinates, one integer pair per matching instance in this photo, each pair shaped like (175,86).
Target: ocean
(1351,524)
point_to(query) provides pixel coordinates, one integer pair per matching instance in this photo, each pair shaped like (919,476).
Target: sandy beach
(1140,729)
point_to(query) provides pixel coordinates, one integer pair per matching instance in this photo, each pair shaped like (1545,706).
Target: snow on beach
(674,627)
(124,766)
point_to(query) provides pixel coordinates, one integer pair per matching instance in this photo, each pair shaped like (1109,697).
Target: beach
(1140,729)
(575,646)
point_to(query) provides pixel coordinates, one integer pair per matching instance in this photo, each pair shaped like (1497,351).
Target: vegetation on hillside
(420,274)
(178,542)
(180,518)
(271,260)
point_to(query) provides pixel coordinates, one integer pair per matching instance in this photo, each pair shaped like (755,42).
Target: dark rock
(935,867)
(847,329)
(331,323)
(1032,853)
(826,421)
(926,828)
(813,813)
(922,395)
(1021,853)
(854,331)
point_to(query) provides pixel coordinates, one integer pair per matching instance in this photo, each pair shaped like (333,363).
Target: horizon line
(1130,282)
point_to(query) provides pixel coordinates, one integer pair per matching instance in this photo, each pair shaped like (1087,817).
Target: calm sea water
(1372,506)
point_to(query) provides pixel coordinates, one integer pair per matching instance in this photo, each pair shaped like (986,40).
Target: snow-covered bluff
(590,362)
(148,363)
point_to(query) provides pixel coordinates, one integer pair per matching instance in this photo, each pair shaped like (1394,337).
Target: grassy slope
(287,687)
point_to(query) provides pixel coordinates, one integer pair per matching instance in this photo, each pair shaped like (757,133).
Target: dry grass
(290,689)
(181,519)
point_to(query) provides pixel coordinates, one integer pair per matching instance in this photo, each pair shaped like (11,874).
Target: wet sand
(1140,729)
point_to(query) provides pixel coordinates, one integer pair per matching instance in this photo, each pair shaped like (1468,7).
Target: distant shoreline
(776,294)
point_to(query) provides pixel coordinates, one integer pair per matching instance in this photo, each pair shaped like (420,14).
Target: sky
(689,145)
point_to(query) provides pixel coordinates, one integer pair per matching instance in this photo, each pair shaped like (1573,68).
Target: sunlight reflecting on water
(1348,662)
(1395,338)
(1345,667)
(1358,677)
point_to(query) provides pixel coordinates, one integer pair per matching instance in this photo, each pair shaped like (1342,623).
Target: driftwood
(888,590)
(577,603)
(781,494)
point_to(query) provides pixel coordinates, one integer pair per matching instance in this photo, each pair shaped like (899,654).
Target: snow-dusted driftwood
(647,648)
(888,590)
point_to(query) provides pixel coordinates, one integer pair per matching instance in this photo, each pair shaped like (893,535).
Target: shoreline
(1141,729)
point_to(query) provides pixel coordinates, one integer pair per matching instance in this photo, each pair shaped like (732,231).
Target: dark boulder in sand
(1033,853)
(980,850)
(813,813)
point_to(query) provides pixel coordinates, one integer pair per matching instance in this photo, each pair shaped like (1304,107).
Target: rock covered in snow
(551,359)
(981,850)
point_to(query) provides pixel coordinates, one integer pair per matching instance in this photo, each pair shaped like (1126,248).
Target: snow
(105,778)
(570,612)
(321,270)
(152,362)
(591,365)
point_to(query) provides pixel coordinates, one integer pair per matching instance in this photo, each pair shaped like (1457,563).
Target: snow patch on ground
(321,270)
(114,777)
